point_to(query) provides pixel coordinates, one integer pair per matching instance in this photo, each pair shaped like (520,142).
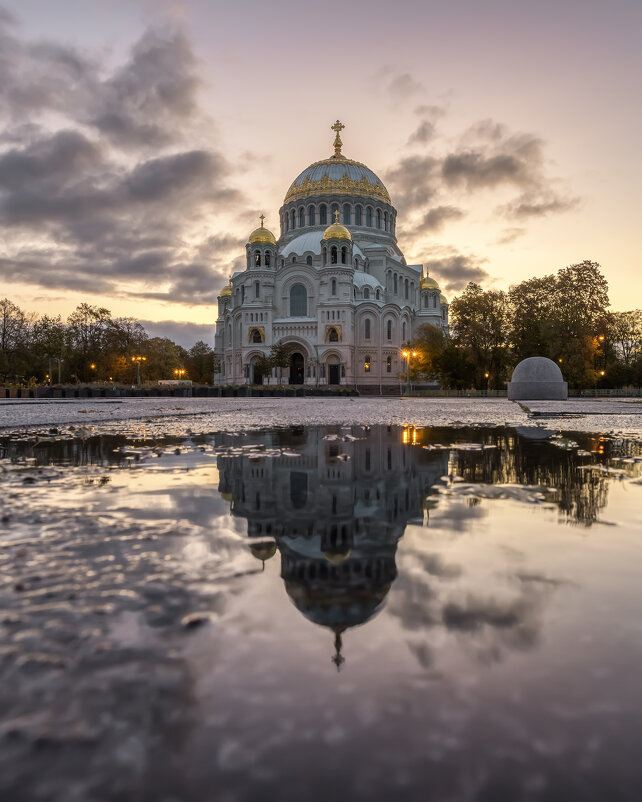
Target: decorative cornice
(340,186)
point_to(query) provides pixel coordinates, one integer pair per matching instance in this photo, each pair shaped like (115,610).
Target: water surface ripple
(362,612)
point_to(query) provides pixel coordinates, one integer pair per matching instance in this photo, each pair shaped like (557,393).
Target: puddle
(347,612)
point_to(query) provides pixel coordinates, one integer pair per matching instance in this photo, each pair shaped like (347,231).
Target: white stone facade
(343,304)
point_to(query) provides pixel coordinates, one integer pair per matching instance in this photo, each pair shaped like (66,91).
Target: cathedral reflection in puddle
(332,504)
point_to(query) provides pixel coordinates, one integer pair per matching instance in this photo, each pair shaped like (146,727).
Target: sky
(141,139)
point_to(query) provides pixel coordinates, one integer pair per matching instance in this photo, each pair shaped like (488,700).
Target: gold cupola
(262,234)
(336,230)
(428,283)
(226,292)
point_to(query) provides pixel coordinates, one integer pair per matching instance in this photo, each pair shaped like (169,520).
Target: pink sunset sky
(141,139)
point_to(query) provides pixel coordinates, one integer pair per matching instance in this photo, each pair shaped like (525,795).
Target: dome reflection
(335,513)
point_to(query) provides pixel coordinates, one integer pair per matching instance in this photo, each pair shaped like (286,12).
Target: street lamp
(407,355)
(138,360)
(486,375)
(180,372)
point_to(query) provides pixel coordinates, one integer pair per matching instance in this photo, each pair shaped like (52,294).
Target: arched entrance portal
(334,370)
(297,368)
(257,374)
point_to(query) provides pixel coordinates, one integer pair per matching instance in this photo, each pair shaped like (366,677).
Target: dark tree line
(564,317)
(91,345)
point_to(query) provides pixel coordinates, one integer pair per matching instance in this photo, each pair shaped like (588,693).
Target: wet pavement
(320,611)
(177,415)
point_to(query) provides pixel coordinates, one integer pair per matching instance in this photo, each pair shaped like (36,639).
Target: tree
(625,333)
(279,358)
(49,341)
(14,333)
(429,343)
(163,357)
(531,321)
(87,326)
(479,324)
(200,363)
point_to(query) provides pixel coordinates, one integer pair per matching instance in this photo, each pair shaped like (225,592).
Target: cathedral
(334,291)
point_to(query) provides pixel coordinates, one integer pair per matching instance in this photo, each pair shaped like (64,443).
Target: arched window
(366,293)
(257,289)
(378,296)
(266,258)
(358,212)
(287,221)
(385,220)
(434,301)
(356,263)
(293,258)
(333,255)
(367,328)
(346,214)
(325,256)
(308,260)
(282,262)
(323,214)
(389,365)
(344,255)
(389,281)
(334,286)
(292,219)
(298,301)
(378,218)
(366,364)
(369,216)
(406,289)
(333,336)
(395,283)
(403,331)
(257,258)
(389,329)
(301,217)
(311,216)
(256,336)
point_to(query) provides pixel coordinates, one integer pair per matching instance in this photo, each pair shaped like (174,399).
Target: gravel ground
(178,416)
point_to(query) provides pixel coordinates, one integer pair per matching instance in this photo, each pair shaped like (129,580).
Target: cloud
(431,188)
(413,182)
(510,235)
(426,130)
(403,86)
(148,100)
(534,205)
(115,198)
(457,270)
(436,218)
(181,332)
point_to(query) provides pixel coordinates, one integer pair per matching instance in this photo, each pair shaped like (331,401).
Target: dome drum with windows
(338,184)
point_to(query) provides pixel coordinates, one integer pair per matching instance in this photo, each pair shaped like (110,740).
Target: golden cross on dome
(336,217)
(262,218)
(338,126)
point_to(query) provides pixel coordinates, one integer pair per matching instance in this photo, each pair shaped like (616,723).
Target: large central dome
(337,175)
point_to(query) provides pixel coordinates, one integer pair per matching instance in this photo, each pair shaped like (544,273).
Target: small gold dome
(337,557)
(428,283)
(336,230)
(264,550)
(442,298)
(262,234)
(226,291)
